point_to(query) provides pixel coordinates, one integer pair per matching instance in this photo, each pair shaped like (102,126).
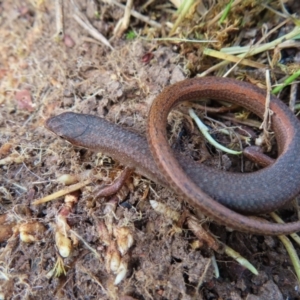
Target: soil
(43,75)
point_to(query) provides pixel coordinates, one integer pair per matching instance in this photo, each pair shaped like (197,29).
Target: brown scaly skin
(216,193)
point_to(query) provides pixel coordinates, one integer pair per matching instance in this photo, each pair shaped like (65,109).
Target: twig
(179,40)
(249,122)
(59,19)
(65,191)
(92,31)
(266,124)
(135,14)
(123,23)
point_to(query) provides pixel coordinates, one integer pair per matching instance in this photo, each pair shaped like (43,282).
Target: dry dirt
(42,76)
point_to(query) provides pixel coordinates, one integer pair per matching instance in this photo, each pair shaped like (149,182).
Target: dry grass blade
(59,19)
(63,192)
(232,58)
(92,31)
(135,14)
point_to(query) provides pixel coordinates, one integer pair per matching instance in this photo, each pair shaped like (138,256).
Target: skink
(218,194)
